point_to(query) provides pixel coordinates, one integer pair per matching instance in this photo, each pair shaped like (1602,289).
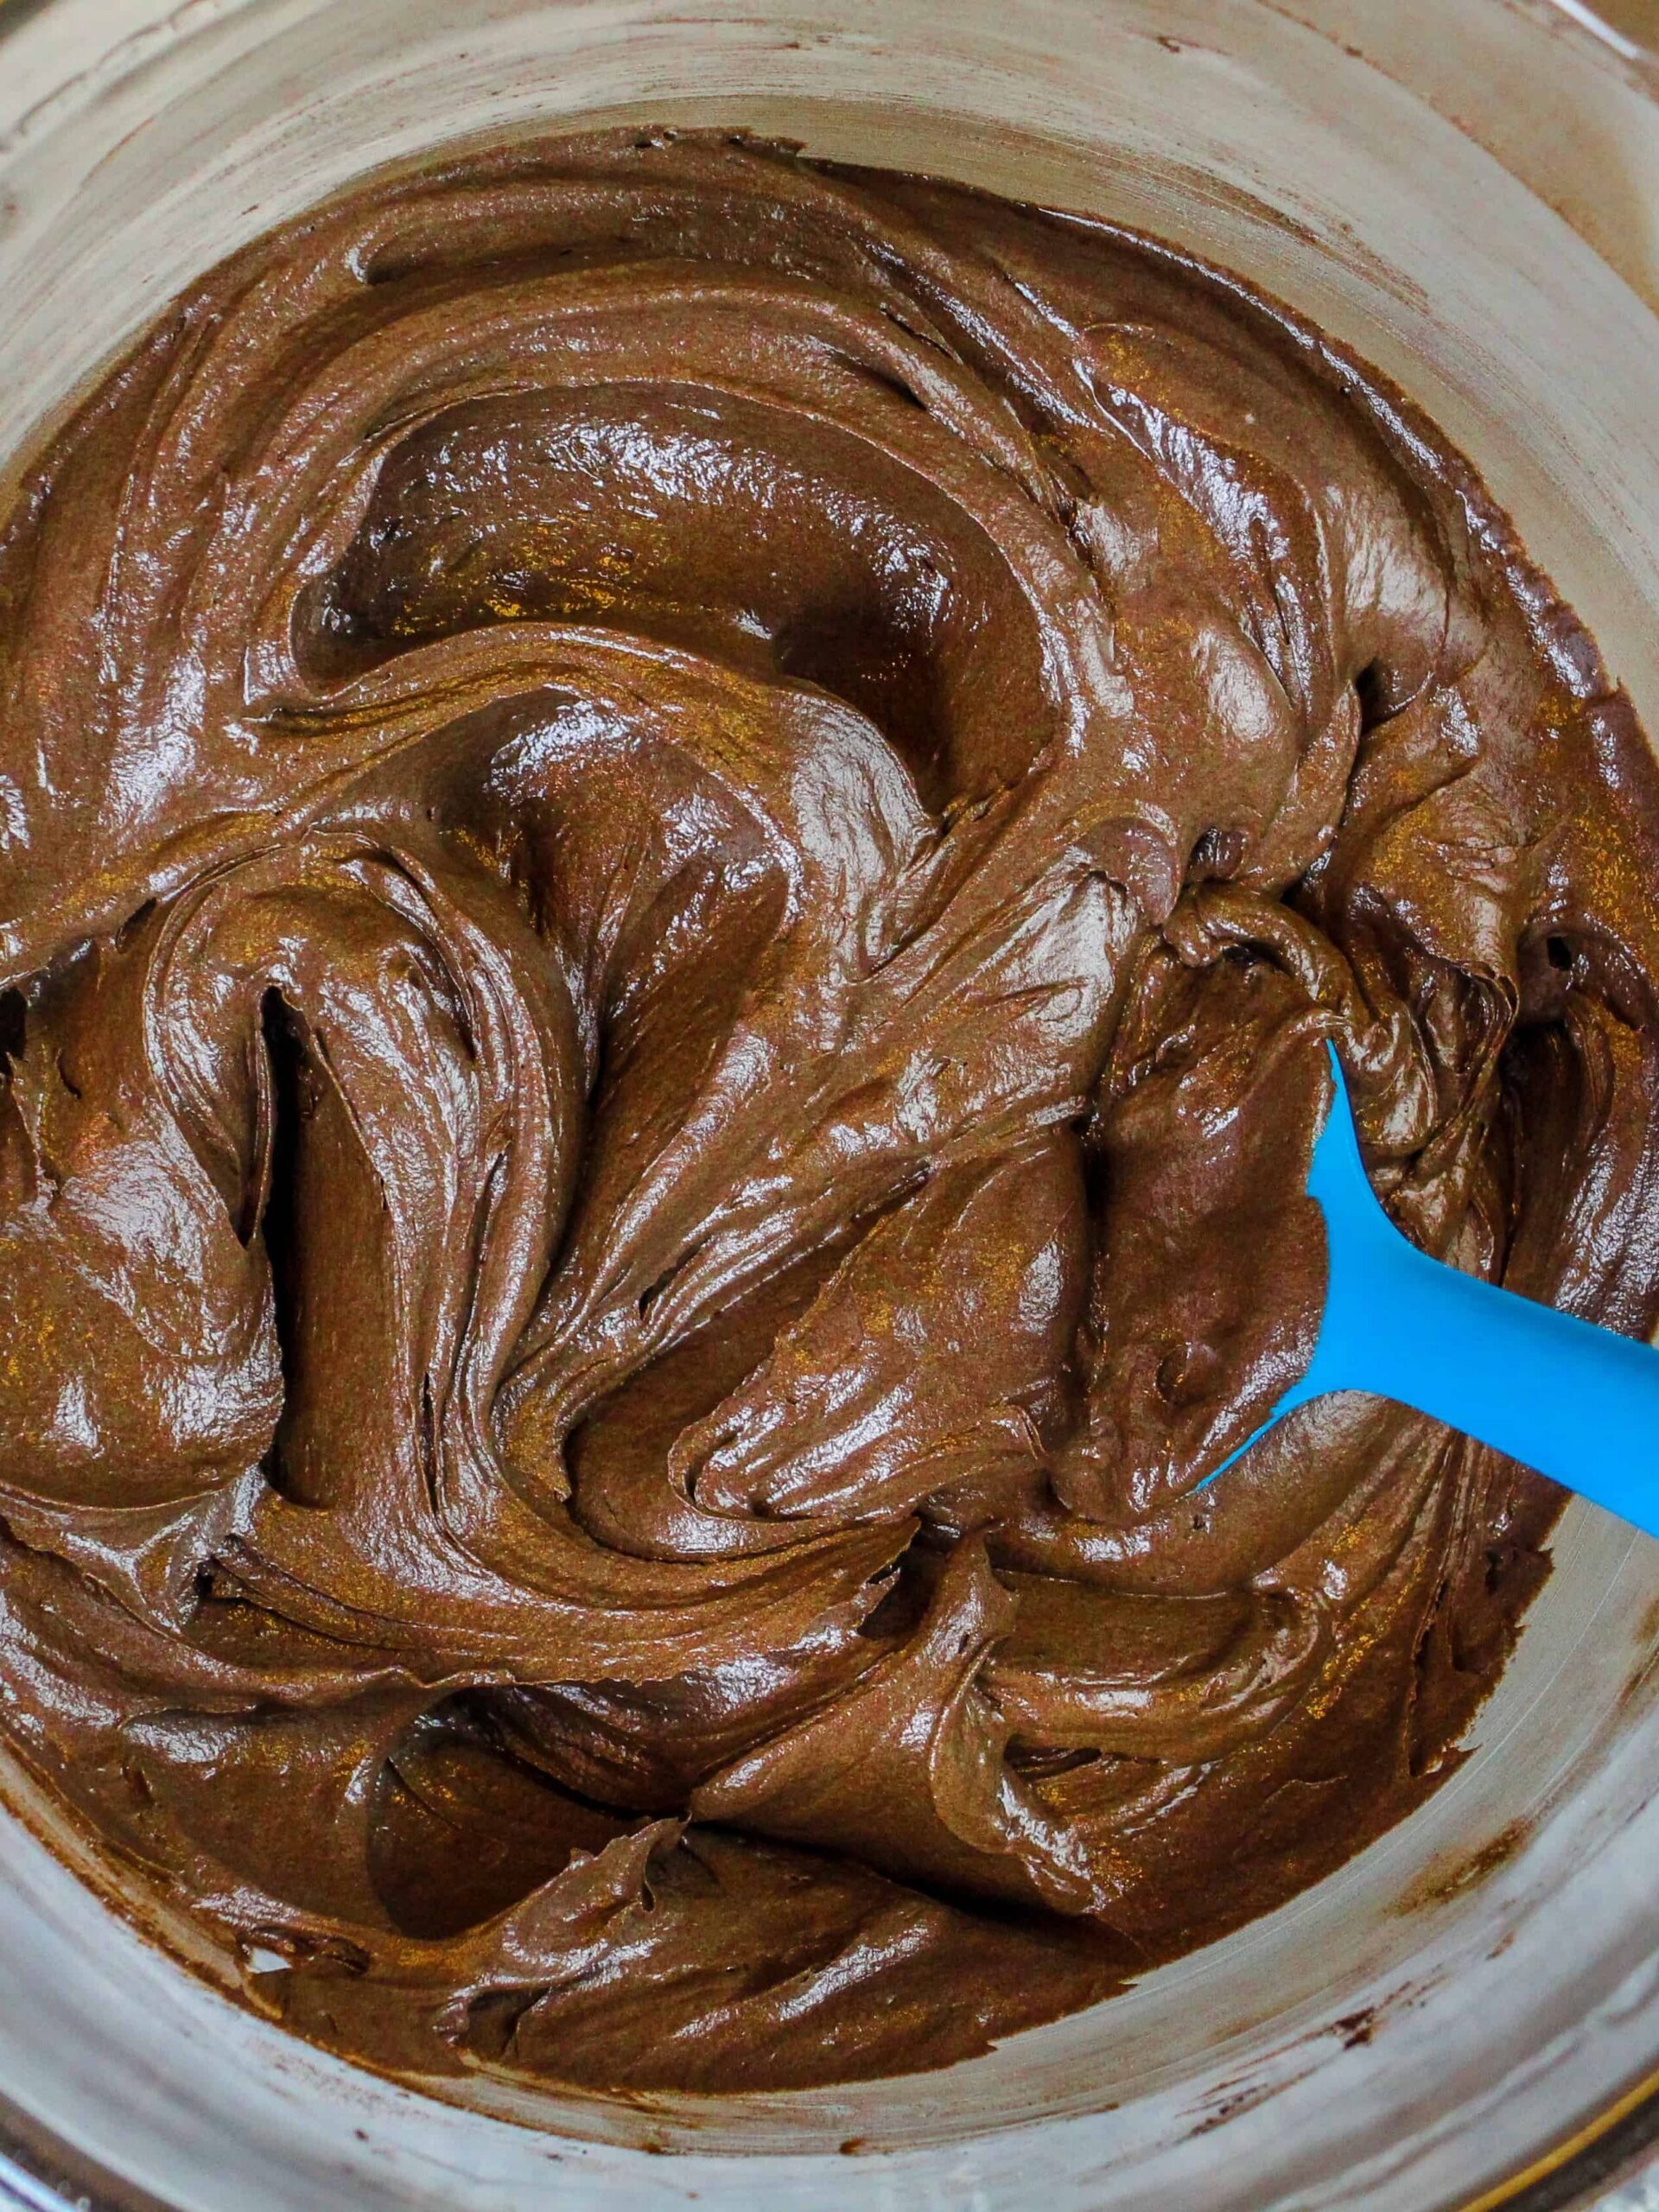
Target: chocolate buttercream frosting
(679,829)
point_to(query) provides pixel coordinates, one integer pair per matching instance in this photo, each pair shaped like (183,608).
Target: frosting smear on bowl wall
(679,833)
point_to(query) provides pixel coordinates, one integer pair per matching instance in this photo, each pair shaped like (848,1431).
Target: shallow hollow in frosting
(680,831)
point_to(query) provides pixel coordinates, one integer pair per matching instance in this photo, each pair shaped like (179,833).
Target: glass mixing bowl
(1466,190)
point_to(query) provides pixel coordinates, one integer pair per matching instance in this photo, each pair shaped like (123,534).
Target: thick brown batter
(676,832)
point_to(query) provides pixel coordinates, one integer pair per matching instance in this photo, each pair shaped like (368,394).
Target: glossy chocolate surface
(678,830)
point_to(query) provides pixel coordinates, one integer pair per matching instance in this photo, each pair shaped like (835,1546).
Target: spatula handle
(1577,1403)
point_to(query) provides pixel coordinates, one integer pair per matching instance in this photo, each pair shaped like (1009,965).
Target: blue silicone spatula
(1577,1403)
